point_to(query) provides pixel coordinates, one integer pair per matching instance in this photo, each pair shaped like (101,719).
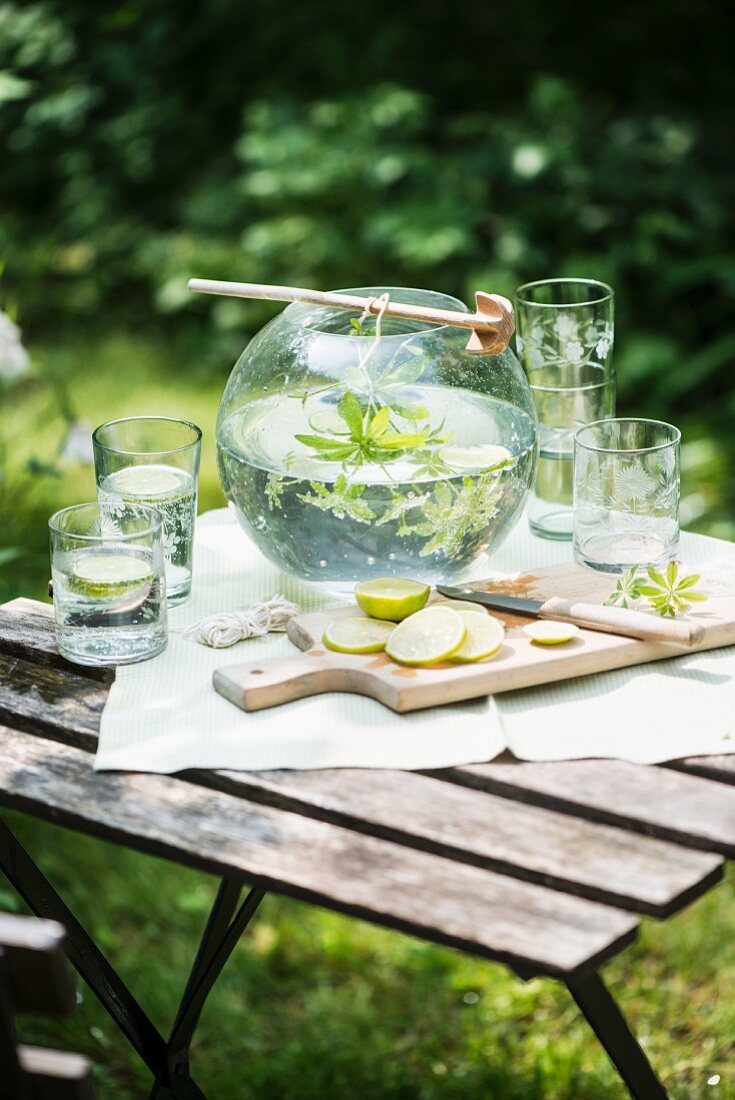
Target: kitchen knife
(609,620)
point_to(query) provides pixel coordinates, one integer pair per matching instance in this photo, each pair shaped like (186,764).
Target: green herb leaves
(666,593)
(368,436)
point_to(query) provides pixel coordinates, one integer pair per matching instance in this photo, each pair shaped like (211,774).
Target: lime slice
(462,605)
(146,481)
(483,456)
(391,598)
(357,635)
(328,420)
(106,575)
(547,632)
(484,637)
(427,637)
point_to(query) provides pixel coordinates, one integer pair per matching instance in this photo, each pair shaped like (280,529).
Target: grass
(313,1005)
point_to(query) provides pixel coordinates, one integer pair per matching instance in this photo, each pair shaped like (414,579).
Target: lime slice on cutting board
(483,638)
(549,632)
(106,575)
(357,635)
(427,637)
(393,598)
(483,456)
(463,605)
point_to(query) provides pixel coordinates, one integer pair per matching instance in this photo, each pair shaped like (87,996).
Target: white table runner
(164,715)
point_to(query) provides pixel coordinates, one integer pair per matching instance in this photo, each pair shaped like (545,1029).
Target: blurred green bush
(152,140)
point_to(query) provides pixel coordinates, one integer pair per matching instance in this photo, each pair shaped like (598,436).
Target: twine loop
(229,627)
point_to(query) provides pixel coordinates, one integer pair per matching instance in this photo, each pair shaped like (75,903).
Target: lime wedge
(391,598)
(107,575)
(482,457)
(462,605)
(357,635)
(548,632)
(427,637)
(484,637)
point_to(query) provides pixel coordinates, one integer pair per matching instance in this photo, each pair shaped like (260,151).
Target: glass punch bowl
(348,455)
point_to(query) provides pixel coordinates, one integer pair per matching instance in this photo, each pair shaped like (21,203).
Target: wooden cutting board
(519,663)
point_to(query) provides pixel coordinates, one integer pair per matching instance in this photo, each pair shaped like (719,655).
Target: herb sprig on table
(667,594)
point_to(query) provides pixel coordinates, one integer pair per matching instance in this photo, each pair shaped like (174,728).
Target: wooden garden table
(544,867)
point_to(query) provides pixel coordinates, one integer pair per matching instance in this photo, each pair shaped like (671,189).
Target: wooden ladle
(492,325)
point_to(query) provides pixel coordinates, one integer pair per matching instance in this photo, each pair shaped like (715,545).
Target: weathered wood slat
(719,768)
(537,845)
(534,844)
(422,894)
(45,699)
(27,630)
(591,860)
(39,975)
(661,802)
(56,1075)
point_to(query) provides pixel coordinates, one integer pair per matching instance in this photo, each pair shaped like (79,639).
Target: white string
(229,627)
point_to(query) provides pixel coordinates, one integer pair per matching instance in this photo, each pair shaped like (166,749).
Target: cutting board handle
(257,685)
(619,620)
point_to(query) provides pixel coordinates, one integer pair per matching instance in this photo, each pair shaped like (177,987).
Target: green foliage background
(325,144)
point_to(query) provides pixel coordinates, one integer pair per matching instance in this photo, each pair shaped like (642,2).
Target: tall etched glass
(154,460)
(565,330)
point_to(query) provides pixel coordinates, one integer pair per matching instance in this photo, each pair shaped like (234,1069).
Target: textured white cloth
(163,715)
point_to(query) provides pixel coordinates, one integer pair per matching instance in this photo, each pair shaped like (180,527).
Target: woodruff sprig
(666,593)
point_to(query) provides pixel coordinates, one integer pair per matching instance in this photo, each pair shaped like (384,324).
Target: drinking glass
(109,585)
(154,460)
(564,340)
(626,494)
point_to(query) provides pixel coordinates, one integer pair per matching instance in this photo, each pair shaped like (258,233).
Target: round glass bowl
(348,455)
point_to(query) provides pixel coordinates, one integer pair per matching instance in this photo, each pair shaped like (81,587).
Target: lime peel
(357,635)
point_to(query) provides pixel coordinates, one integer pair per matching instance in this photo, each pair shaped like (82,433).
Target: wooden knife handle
(620,620)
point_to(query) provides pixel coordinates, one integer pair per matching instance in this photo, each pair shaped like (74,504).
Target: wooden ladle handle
(619,620)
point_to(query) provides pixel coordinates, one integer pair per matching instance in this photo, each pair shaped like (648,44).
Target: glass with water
(565,330)
(108,582)
(154,460)
(626,494)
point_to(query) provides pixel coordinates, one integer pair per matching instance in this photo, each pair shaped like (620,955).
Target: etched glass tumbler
(154,460)
(626,494)
(109,585)
(564,340)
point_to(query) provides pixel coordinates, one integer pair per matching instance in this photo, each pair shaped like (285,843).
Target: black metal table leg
(609,1025)
(219,939)
(85,956)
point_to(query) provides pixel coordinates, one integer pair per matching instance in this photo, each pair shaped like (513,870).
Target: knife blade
(591,616)
(490,599)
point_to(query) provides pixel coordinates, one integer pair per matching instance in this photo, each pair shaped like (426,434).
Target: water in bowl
(330,513)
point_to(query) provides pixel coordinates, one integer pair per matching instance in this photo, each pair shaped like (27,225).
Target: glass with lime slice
(109,585)
(154,461)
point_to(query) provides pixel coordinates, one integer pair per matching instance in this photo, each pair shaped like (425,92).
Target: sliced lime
(548,632)
(481,457)
(393,598)
(328,420)
(357,635)
(431,635)
(462,605)
(146,481)
(484,637)
(103,575)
